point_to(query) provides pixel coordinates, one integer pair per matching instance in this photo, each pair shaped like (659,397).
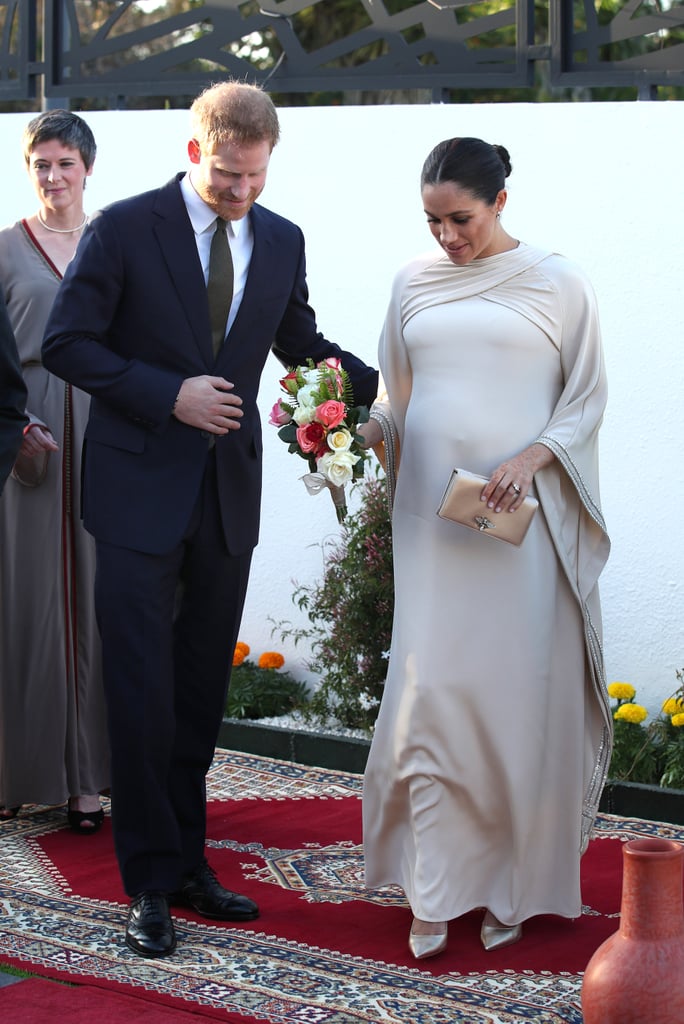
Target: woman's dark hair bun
(471,164)
(504,157)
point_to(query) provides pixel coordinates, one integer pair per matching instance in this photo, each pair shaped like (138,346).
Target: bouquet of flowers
(317,421)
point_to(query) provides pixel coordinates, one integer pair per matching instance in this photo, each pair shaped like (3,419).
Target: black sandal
(77,819)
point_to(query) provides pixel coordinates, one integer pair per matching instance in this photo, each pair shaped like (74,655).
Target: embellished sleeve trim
(383,417)
(563,457)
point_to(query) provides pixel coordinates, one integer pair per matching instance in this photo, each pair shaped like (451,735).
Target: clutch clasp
(484,524)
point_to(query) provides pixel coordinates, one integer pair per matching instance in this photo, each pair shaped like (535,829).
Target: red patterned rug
(325,950)
(35,1001)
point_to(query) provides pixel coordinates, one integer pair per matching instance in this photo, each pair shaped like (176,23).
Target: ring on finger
(517,488)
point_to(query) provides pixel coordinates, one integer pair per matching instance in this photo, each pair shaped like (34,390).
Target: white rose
(306,396)
(340,440)
(304,414)
(338,467)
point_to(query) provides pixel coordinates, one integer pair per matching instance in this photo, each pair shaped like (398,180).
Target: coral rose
(330,413)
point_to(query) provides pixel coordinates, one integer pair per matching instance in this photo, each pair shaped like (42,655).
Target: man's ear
(194,151)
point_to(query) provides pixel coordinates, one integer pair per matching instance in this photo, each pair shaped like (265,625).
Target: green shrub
(350,613)
(653,753)
(262,690)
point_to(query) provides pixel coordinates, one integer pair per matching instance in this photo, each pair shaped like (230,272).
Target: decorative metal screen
(636,43)
(120,48)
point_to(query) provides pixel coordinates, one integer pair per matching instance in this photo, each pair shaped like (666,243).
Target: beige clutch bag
(461,503)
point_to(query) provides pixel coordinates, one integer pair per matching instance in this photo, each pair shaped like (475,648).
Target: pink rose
(311,438)
(331,413)
(279,416)
(333,363)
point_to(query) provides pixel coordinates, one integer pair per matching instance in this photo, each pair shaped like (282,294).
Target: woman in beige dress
(53,744)
(494,734)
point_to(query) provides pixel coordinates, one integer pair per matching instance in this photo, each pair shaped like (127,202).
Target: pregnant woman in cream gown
(493,737)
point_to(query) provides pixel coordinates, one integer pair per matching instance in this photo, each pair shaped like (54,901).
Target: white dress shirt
(240,239)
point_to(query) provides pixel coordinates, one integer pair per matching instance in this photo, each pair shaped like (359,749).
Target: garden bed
(636,800)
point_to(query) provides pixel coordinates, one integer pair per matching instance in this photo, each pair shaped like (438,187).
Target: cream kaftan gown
(493,738)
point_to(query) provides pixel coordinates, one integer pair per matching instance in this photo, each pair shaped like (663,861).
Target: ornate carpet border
(232,972)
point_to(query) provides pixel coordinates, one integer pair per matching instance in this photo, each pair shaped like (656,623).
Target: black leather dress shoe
(149,928)
(202,891)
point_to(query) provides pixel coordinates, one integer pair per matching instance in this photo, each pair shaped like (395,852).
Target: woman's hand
(371,432)
(37,440)
(510,482)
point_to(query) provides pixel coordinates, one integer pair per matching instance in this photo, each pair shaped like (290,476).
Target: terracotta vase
(635,977)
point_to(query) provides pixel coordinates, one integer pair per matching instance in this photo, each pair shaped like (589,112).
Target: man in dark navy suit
(172,476)
(13,419)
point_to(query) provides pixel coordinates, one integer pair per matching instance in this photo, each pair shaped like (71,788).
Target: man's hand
(206,403)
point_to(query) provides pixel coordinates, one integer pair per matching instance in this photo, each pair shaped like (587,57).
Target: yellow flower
(631,713)
(621,691)
(673,705)
(240,653)
(678,719)
(271,659)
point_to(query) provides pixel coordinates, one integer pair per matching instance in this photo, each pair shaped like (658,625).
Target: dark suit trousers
(169,625)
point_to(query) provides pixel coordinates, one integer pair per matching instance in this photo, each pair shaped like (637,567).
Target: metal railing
(60,50)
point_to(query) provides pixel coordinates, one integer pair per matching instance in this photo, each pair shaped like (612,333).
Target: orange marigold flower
(240,653)
(271,659)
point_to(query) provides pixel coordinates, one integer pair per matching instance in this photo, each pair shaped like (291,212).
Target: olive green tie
(219,284)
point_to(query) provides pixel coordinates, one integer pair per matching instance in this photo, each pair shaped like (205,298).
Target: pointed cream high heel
(423,946)
(494,935)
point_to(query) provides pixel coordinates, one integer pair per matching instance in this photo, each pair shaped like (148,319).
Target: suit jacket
(131,322)
(13,419)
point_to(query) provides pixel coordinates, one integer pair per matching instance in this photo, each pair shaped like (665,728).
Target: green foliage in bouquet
(261,690)
(350,613)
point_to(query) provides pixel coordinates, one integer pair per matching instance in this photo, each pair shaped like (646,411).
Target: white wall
(598,182)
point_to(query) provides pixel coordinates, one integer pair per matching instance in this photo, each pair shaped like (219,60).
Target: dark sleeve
(13,419)
(299,339)
(80,344)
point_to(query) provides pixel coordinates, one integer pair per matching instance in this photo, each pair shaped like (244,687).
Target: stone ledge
(341,753)
(634,800)
(320,750)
